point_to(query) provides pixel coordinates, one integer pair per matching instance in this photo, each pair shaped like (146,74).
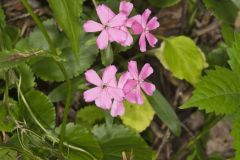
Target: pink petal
(148,88)
(133,70)
(145,16)
(129,39)
(126,7)
(91,94)
(116,93)
(152,40)
(130,85)
(92,77)
(117,35)
(117,108)
(104,100)
(104,13)
(153,24)
(146,71)
(130,21)
(142,43)
(123,79)
(92,26)
(139,97)
(137,28)
(135,96)
(118,20)
(109,74)
(102,40)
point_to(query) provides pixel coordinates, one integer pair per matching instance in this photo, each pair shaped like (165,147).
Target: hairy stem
(61,66)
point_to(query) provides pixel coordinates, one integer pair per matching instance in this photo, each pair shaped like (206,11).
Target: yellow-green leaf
(138,117)
(183,58)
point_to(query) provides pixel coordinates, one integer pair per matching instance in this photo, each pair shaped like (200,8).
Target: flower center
(104,86)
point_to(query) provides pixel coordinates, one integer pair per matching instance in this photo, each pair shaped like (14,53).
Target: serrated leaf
(9,59)
(68,17)
(117,139)
(7,154)
(183,58)
(79,136)
(41,107)
(235,134)
(89,115)
(164,3)
(217,92)
(28,79)
(48,70)
(136,116)
(219,9)
(165,112)
(234,55)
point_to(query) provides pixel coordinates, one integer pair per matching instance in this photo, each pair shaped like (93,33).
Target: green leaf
(219,9)
(234,55)
(235,134)
(2,18)
(218,92)
(41,107)
(60,92)
(183,58)
(117,139)
(90,115)
(80,137)
(9,59)
(47,69)
(163,3)
(7,154)
(165,112)
(28,79)
(136,116)
(8,114)
(68,17)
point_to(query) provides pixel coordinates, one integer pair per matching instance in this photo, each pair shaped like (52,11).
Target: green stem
(61,66)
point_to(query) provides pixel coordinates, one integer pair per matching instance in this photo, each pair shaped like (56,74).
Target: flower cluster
(109,93)
(114,27)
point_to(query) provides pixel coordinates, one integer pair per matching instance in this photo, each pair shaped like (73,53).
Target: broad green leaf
(165,112)
(80,137)
(89,115)
(117,139)
(68,17)
(218,57)
(219,8)
(183,58)
(136,116)
(228,34)
(13,33)
(60,92)
(36,39)
(217,92)
(8,114)
(9,59)
(235,134)
(27,77)
(163,3)
(41,107)
(46,68)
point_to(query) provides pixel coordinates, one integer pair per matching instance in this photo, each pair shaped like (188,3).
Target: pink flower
(140,25)
(109,27)
(133,86)
(126,8)
(118,107)
(106,88)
